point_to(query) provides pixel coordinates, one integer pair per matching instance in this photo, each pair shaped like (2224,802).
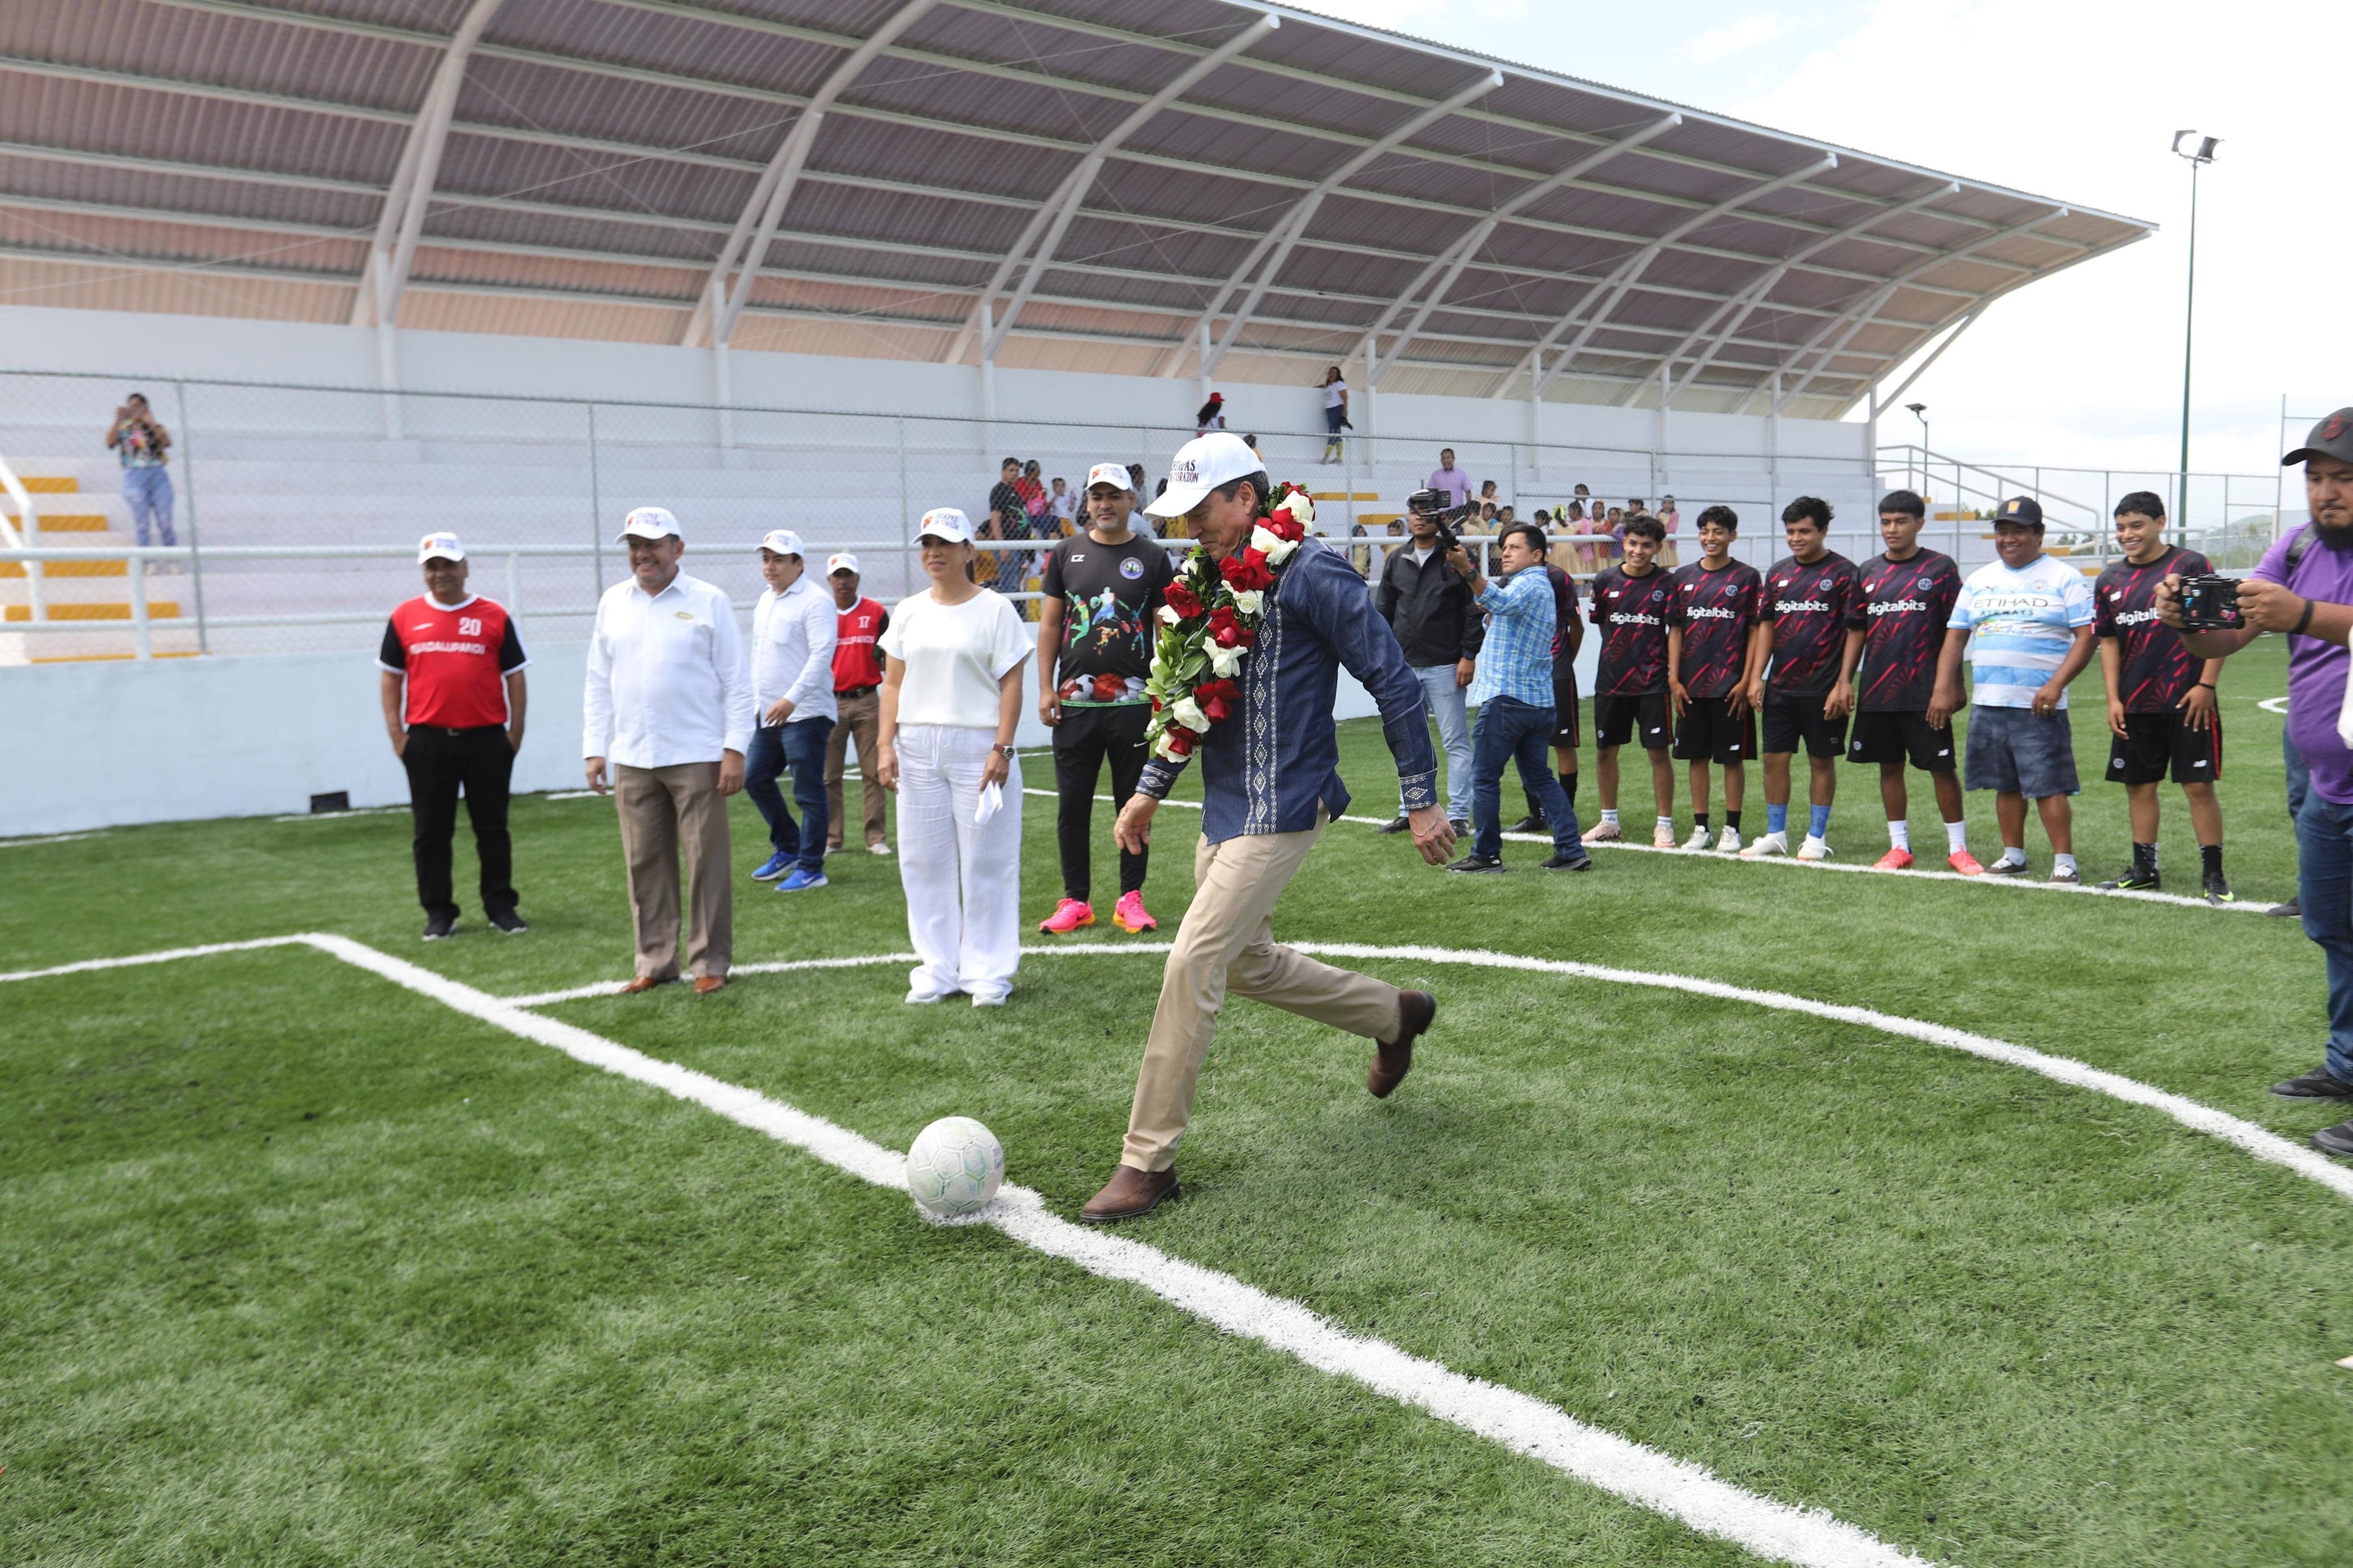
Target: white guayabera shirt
(666,677)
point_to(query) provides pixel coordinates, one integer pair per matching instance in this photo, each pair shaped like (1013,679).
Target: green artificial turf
(304,1268)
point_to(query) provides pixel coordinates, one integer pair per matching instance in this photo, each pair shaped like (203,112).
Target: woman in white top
(1336,413)
(951,697)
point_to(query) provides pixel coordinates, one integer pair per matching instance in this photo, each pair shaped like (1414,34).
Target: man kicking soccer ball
(1630,685)
(1271,784)
(1810,598)
(1715,643)
(1905,603)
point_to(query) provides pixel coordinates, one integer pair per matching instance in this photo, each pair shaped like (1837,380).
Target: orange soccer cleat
(1964,862)
(1898,858)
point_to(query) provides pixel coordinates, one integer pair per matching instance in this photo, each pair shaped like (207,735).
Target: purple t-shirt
(2317,670)
(1455,482)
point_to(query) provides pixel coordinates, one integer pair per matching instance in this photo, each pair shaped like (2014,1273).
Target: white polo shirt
(666,677)
(793,637)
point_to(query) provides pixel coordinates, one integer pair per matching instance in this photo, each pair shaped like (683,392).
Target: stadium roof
(1091,185)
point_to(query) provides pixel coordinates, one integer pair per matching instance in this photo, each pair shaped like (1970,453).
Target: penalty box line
(1688,1493)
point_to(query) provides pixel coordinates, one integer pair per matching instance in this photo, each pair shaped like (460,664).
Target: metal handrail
(35,583)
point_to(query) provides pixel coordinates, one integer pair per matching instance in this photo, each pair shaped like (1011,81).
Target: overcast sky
(2069,98)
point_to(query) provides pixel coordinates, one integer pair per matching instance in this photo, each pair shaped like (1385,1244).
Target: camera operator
(2304,587)
(1439,626)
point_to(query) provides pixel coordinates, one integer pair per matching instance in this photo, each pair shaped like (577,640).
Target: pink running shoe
(1603,832)
(1898,858)
(1964,862)
(1068,916)
(1129,914)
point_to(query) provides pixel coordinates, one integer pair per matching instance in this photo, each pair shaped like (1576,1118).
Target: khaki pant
(861,719)
(658,806)
(1227,944)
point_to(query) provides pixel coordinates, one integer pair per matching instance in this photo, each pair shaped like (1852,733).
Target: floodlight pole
(2202,150)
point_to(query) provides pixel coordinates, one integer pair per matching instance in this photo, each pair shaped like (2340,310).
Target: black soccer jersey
(1809,607)
(2157,670)
(1903,609)
(1564,605)
(1631,613)
(1714,610)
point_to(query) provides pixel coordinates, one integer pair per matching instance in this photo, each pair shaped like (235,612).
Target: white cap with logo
(1110,474)
(440,547)
(782,542)
(842,562)
(1201,466)
(649,522)
(946,524)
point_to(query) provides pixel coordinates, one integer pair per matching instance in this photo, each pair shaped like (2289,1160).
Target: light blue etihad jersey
(2021,623)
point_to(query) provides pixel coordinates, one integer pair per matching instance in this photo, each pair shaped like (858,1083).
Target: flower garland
(1209,619)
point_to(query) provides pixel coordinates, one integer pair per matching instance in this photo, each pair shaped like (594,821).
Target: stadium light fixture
(2198,150)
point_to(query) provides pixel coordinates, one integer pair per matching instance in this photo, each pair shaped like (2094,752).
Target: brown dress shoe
(1392,1059)
(640,986)
(1129,1194)
(704,984)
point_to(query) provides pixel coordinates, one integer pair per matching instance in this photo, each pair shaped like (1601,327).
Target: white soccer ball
(953,1167)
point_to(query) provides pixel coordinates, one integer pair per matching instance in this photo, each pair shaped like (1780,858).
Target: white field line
(1680,1491)
(165,956)
(572,795)
(1791,863)
(2274,705)
(51,839)
(339,816)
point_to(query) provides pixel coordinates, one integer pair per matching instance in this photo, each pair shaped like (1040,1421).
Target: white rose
(1168,615)
(1247,601)
(1224,661)
(1301,509)
(1164,750)
(1283,551)
(1266,539)
(1188,713)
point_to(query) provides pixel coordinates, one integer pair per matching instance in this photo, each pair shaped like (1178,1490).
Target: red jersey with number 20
(1714,610)
(456,659)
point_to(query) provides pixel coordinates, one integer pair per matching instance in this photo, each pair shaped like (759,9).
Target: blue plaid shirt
(1275,762)
(1515,661)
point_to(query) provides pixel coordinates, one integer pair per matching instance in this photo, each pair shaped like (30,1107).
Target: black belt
(453,732)
(857,690)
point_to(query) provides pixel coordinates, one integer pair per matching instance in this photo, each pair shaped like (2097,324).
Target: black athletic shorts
(2156,742)
(1900,735)
(1564,711)
(1708,733)
(1642,718)
(1794,716)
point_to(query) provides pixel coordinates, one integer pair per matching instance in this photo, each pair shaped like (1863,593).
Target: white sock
(1957,837)
(1609,814)
(1668,823)
(2062,862)
(1899,835)
(2012,855)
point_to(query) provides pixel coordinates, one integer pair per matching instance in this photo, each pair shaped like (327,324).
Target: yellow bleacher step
(73,523)
(71,569)
(52,485)
(157,609)
(109,657)
(1342,495)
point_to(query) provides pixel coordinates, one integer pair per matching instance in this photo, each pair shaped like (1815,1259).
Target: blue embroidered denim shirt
(1276,760)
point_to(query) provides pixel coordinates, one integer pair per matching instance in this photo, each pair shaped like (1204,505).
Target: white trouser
(963,881)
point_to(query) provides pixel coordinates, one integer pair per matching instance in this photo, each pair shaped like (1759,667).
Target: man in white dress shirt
(794,629)
(669,705)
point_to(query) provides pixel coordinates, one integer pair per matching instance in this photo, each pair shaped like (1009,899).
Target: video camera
(1434,505)
(2210,604)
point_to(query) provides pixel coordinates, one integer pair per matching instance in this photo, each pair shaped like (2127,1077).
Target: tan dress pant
(1227,944)
(861,720)
(658,806)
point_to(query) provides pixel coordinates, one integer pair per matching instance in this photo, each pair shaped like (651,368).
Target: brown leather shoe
(1392,1059)
(1130,1194)
(704,984)
(640,986)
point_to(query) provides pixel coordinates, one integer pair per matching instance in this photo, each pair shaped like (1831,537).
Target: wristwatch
(1006,752)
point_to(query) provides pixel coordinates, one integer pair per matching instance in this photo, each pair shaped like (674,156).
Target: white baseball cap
(842,561)
(1201,466)
(649,522)
(1109,474)
(440,547)
(946,522)
(783,540)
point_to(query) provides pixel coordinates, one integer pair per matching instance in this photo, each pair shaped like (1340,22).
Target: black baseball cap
(2023,510)
(2332,437)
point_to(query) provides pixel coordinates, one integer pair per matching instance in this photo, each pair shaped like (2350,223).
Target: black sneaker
(2318,1084)
(1567,863)
(2291,911)
(1531,822)
(2134,879)
(1998,867)
(2218,891)
(508,922)
(1478,863)
(439,926)
(1394,825)
(2337,1140)
(1462,827)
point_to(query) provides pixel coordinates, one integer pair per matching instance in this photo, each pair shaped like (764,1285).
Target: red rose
(1226,630)
(1182,599)
(1247,571)
(1218,698)
(1180,740)
(1284,526)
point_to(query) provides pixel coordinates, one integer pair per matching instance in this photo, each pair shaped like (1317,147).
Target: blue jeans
(2299,777)
(2324,839)
(799,746)
(148,491)
(1447,705)
(1511,730)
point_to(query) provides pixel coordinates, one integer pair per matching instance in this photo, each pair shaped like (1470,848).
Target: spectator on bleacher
(1335,413)
(144,447)
(1009,518)
(667,705)
(1447,477)
(453,697)
(1064,502)
(794,629)
(856,688)
(1210,415)
(1489,502)
(1669,520)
